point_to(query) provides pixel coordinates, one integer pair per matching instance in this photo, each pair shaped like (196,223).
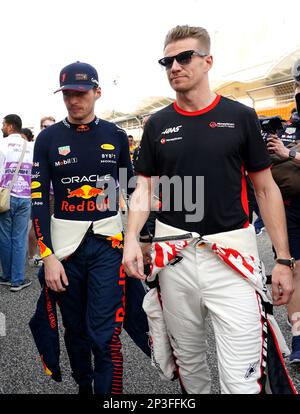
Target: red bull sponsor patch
(83,128)
(120,313)
(86,192)
(84,205)
(116,241)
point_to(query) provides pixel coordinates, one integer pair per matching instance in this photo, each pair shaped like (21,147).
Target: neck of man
(14,133)
(85,120)
(195,99)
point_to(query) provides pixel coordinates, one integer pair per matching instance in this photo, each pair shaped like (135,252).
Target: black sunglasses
(182,58)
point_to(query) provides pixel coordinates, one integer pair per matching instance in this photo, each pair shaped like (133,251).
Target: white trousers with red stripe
(199,284)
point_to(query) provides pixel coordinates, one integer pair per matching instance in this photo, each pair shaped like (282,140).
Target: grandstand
(268,88)
(132,122)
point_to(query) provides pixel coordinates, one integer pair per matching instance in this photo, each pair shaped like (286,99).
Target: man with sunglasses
(205,135)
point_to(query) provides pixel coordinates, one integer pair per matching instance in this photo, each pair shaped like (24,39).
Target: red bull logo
(85,205)
(50,312)
(116,241)
(37,228)
(120,313)
(86,192)
(82,128)
(116,244)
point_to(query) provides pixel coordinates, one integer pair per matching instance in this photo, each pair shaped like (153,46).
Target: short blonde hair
(46,118)
(185,32)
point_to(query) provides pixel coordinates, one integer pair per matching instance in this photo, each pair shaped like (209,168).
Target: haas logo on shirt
(171,130)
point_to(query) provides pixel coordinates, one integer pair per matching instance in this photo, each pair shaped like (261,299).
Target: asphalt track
(21,371)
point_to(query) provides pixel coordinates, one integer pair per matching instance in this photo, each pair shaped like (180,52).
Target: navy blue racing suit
(80,161)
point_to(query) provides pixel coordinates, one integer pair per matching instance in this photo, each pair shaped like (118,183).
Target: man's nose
(175,66)
(73,98)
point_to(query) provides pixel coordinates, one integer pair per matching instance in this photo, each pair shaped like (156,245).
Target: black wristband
(287,262)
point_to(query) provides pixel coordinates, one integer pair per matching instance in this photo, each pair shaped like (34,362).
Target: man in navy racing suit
(81,244)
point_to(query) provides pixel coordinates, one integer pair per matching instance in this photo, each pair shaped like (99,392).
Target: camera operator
(278,145)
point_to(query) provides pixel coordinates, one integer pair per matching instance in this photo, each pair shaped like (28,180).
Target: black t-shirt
(83,163)
(217,143)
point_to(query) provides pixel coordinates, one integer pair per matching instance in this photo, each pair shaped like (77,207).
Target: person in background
(132,145)
(27,134)
(14,222)
(46,121)
(291,134)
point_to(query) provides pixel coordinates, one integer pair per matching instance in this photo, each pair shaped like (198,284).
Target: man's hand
(55,275)
(282,284)
(133,258)
(276,145)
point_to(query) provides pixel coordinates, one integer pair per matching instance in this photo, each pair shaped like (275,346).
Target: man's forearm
(272,212)
(139,208)
(136,221)
(284,153)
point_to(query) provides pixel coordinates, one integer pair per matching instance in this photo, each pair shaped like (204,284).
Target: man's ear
(209,61)
(98,92)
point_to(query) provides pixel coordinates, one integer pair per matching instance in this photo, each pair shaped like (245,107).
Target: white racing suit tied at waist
(238,250)
(66,235)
